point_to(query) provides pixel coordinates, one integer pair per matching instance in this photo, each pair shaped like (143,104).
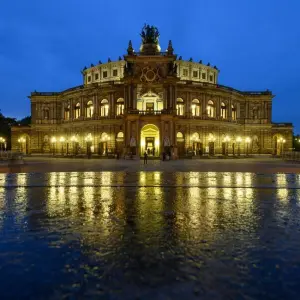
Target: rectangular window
(185,72)
(105,74)
(195,73)
(96,76)
(89,78)
(115,72)
(203,76)
(211,78)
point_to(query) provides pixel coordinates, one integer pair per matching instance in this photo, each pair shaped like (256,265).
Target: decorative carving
(150,74)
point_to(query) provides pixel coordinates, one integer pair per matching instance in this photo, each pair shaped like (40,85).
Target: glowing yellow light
(73,138)
(88,138)
(53,139)
(238,139)
(156,143)
(62,139)
(247,140)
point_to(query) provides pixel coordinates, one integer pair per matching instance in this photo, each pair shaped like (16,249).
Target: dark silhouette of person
(145,157)
(148,151)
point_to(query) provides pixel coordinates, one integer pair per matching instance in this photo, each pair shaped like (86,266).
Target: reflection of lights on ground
(89,178)
(61,178)
(194,178)
(248,179)
(281,179)
(106,178)
(239,178)
(74,178)
(142,178)
(227,178)
(282,194)
(52,178)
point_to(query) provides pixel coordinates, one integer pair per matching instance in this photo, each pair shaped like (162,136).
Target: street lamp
(88,140)
(62,140)
(239,140)
(21,141)
(53,141)
(247,140)
(2,144)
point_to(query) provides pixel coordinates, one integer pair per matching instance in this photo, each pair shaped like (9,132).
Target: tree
(25,121)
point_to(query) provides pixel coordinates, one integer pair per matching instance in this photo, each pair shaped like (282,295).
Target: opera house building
(154,101)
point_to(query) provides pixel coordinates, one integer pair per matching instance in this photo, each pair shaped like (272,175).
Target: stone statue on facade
(149,34)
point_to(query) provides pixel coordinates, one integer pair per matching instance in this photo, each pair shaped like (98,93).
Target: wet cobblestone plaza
(149,235)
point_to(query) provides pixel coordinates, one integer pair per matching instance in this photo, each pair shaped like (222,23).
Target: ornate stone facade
(152,101)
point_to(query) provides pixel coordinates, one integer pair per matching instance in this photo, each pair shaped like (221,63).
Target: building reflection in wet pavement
(149,235)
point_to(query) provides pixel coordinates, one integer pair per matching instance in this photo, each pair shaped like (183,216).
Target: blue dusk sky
(255,43)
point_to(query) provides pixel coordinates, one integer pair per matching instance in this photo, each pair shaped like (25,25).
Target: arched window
(104,137)
(46,113)
(104,108)
(223,111)
(67,113)
(77,110)
(195,108)
(179,136)
(120,136)
(233,113)
(120,106)
(195,137)
(89,109)
(180,107)
(210,109)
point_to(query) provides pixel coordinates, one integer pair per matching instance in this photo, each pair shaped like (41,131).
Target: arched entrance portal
(150,140)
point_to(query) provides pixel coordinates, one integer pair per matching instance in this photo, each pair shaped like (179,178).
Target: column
(134,95)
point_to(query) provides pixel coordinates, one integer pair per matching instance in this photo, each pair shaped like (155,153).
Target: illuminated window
(203,76)
(210,109)
(180,107)
(185,72)
(233,112)
(115,72)
(105,74)
(195,73)
(89,109)
(223,111)
(104,108)
(67,113)
(77,110)
(120,106)
(120,136)
(196,108)
(179,136)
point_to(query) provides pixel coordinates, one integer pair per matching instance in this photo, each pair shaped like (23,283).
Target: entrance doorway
(150,145)
(150,140)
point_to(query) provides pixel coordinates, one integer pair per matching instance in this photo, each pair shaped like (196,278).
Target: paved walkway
(255,165)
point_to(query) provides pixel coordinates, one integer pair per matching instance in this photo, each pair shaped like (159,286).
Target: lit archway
(150,140)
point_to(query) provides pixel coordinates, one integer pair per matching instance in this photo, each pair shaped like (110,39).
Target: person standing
(145,157)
